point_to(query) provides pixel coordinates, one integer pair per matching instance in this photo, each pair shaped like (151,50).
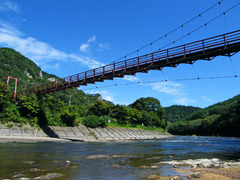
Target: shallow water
(110,160)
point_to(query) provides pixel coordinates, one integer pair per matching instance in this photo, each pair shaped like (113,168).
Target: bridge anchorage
(222,45)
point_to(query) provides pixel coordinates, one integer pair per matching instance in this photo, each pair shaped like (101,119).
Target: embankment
(80,133)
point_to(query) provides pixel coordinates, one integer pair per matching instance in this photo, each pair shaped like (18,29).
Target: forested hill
(219,119)
(14,64)
(177,112)
(54,109)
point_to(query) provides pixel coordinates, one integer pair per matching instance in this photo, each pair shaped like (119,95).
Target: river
(109,160)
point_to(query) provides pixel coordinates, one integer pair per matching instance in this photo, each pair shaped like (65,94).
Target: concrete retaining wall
(80,133)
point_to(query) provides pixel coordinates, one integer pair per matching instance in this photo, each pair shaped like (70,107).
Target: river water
(109,160)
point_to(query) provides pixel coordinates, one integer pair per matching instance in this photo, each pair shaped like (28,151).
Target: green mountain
(177,112)
(219,119)
(14,64)
(54,109)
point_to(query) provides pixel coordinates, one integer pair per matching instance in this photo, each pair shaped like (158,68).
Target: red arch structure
(15,90)
(222,45)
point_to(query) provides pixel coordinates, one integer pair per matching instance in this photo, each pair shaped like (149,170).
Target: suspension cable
(159,81)
(170,32)
(233,66)
(205,24)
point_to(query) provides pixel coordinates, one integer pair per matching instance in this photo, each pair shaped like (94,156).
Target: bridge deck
(206,49)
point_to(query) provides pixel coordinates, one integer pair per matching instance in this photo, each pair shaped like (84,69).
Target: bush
(93,121)
(68,118)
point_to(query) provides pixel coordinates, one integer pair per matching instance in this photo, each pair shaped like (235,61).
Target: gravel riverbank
(201,169)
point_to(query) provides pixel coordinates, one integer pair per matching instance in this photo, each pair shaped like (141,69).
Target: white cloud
(207,99)
(173,89)
(104,46)
(184,101)
(8,6)
(8,29)
(91,63)
(40,52)
(168,87)
(131,78)
(92,39)
(85,46)
(47,66)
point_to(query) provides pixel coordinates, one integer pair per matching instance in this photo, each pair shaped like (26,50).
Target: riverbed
(109,160)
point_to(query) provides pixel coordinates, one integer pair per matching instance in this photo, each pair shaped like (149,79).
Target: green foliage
(148,104)
(68,118)
(99,109)
(4,96)
(120,113)
(93,121)
(152,112)
(135,116)
(220,119)
(151,119)
(29,106)
(176,112)
(199,114)
(14,64)
(9,125)
(54,104)
(11,114)
(53,118)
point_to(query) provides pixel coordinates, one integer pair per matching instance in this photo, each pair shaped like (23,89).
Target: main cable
(172,31)
(203,25)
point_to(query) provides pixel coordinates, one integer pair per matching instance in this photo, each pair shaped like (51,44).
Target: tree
(93,121)
(29,108)
(99,109)
(152,112)
(4,96)
(120,113)
(54,104)
(29,105)
(150,119)
(135,116)
(68,117)
(149,104)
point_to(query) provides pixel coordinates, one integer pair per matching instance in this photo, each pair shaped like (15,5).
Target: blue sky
(68,37)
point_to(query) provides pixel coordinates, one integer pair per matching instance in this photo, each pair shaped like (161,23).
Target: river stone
(175,178)
(49,176)
(18,175)
(206,163)
(100,156)
(34,170)
(197,175)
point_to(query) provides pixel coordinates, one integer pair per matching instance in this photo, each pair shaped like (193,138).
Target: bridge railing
(182,50)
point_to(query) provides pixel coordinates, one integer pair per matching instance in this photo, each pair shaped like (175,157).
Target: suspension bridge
(206,49)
